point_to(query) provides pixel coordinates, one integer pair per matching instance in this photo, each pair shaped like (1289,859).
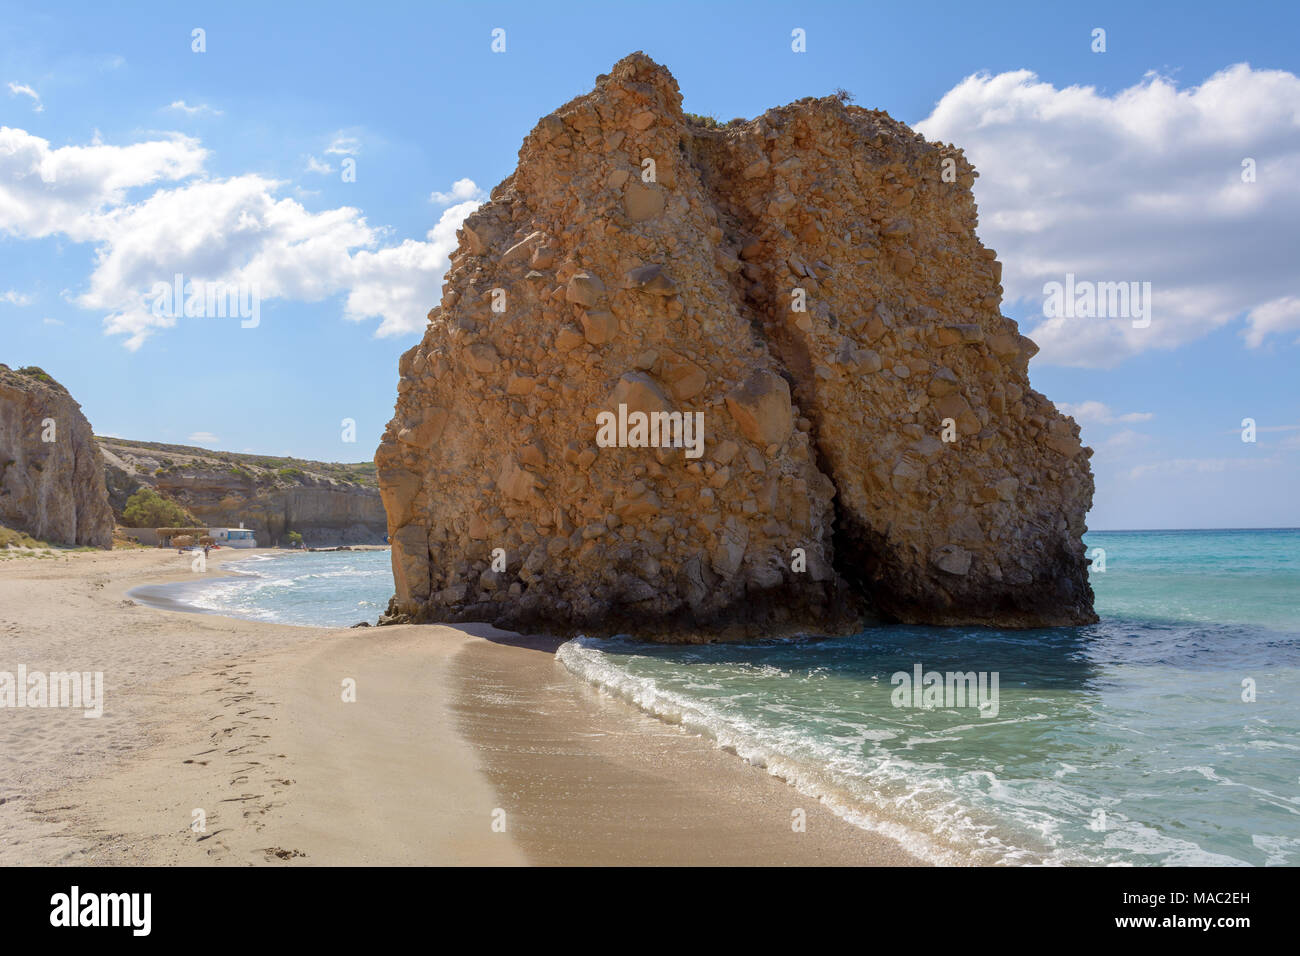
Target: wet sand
(587,779)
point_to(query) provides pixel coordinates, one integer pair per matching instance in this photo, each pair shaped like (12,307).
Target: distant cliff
(327,503)
(51,479)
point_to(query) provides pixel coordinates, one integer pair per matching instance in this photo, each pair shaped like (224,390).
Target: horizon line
(1226,528)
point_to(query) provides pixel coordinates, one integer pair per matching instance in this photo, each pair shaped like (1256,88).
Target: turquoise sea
(310,588)
(1168,733)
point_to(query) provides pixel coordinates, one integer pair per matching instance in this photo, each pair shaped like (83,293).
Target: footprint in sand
(275,852)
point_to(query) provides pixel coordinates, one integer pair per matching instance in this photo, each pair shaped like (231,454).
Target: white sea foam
(755,745)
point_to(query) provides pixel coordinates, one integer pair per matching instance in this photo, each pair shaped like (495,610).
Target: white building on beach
(240,537)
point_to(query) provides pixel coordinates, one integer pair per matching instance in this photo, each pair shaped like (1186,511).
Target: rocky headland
(51,476)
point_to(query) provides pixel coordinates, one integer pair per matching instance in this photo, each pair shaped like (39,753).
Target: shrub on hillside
(148,509)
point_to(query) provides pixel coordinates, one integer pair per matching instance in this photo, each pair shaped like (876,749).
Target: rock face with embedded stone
(812,283)
(51,474)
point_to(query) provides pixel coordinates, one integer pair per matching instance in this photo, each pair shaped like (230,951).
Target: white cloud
(1142,185)
(315,165)
(343,145)
(1280,316)
(22,89)
(1125,440)
(183,107)
(234,231)
(461,190)
(400,284)
(203,438)
(1181,466)
(15,298)
(1099,413)
(1266,428)
(71,189)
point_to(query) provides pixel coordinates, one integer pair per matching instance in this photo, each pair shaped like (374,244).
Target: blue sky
(127,156)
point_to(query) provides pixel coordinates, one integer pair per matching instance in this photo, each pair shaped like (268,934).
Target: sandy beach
(463,746)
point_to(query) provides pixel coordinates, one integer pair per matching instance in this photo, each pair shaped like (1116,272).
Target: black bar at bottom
(302,904)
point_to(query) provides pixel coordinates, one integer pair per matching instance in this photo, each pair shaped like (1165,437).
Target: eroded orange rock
(811,281)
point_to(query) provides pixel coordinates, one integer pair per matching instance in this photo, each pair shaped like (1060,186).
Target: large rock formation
(327,503)
(51,475)
(812,283)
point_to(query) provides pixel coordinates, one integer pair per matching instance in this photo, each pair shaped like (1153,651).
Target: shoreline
(598,781)
(169,595)
(178,595)
(452,730)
